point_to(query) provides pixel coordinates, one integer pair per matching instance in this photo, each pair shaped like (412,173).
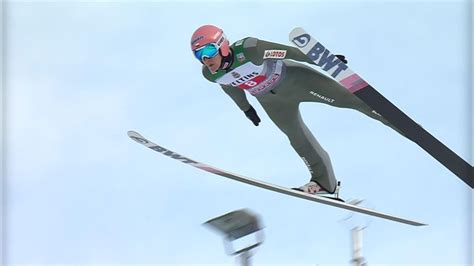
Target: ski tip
(132,133)
(295,32)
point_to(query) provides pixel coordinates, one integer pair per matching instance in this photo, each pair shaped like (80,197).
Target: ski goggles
(207,51)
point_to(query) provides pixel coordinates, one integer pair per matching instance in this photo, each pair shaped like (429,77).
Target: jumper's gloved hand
(252,115)
(342,58)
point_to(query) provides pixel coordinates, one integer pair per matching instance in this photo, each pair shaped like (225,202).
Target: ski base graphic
(254,182)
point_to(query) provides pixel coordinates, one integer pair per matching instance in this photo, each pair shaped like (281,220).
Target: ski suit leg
(312,86)
(286,115)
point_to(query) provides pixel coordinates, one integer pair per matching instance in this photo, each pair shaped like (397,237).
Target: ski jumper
(262,68)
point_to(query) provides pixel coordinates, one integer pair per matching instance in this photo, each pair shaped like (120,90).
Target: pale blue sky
(79,191)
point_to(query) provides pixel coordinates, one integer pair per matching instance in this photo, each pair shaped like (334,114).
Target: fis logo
(241,57)
(321,56)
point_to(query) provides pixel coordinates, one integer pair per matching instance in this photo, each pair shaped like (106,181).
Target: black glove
(252,115)
(342,58)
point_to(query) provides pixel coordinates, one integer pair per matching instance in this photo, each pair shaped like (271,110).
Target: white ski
(348,206)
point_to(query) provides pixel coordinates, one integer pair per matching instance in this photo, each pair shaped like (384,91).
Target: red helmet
(210,34)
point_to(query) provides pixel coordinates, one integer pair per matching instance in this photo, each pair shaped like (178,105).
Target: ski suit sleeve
(261,47)
(238,95)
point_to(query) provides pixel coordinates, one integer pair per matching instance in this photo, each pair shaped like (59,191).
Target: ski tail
(418,134)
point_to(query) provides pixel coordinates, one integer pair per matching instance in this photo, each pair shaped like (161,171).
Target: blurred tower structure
(357,224)
(235,226)
(357,258)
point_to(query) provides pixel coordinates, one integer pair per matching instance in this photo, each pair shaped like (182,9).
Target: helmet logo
(193,42)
